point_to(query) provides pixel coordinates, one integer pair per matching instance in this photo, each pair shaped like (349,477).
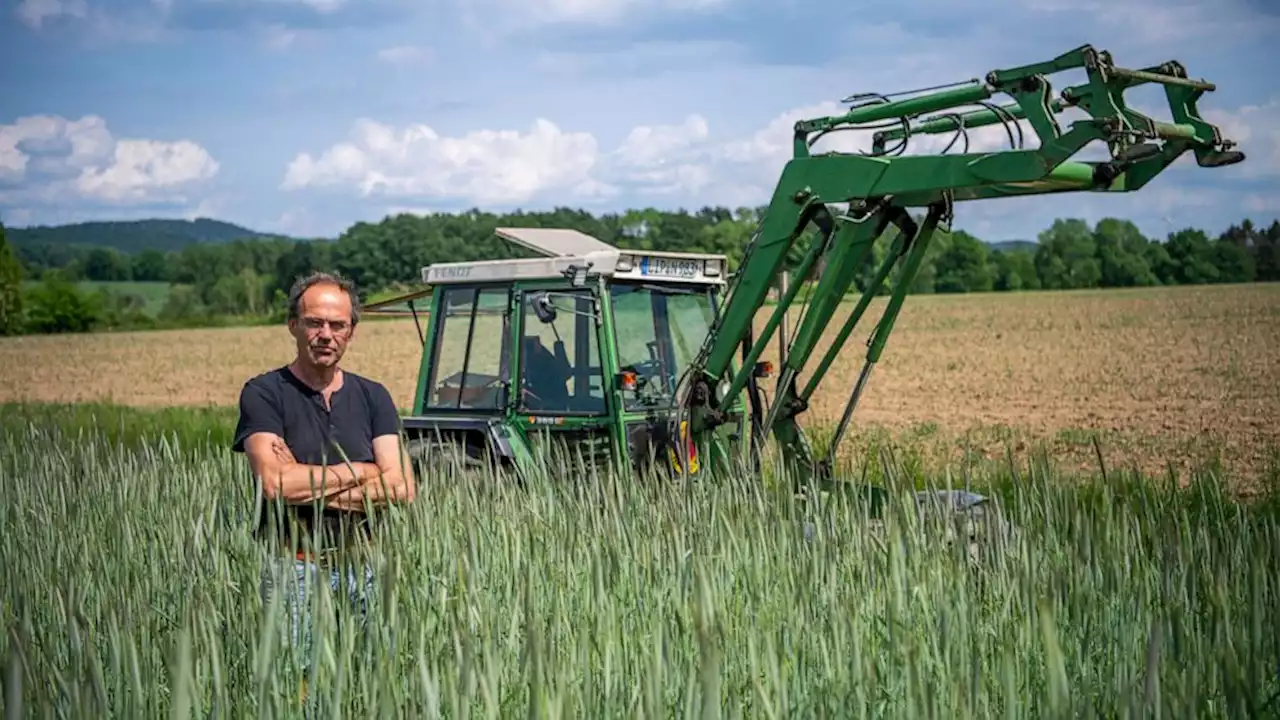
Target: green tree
(10,288)
(1192,254)
(150,266)
(245,293)
(1122,257)
(56,305)
(1014,270)
(1068,256)
(183,303)
(232,272)
(107,265)
(963,266)
(114,309)
(1233,260)
(1267,254)
(1162,265)
(301,259)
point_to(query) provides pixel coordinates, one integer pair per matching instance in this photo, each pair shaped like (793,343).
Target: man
(322,442)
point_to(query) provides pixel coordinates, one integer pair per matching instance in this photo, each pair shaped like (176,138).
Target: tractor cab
(581,350)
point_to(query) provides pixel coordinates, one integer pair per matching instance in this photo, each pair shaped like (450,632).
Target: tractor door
(561,401)
(464,381)
(468,365)
(660,329)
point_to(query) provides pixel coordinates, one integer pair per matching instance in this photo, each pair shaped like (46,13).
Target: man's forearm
(298,484)
(376,489)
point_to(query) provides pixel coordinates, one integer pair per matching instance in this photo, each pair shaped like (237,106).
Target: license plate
(670,268)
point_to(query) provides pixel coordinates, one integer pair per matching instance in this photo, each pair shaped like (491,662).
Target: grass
(134,581)
(152,294)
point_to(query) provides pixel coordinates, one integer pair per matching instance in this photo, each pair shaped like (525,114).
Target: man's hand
(283,454)
(390,480)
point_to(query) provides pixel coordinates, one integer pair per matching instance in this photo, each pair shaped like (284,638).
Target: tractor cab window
(660,329)
(472,351)
(560,368)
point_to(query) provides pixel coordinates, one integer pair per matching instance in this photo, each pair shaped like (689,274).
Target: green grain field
(151,295)
(1128,436)
(133,591)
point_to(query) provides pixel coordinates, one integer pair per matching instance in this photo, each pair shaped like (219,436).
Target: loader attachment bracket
(882,185)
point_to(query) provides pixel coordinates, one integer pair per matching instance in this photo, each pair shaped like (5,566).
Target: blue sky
(306,116)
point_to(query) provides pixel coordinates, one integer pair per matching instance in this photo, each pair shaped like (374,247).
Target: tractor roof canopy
(568,251)
(565,252)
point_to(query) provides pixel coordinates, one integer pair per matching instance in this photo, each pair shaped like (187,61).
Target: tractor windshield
(659,330)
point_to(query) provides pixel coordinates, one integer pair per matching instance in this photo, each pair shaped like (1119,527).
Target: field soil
(1158,377)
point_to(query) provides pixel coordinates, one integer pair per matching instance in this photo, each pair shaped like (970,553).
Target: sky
(304,117)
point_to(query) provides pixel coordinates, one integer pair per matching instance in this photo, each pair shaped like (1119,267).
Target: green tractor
(648,361)
(577,355)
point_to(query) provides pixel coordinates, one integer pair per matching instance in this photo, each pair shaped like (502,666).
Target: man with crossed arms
(316,435)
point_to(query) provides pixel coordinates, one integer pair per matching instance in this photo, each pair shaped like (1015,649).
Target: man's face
(324,326)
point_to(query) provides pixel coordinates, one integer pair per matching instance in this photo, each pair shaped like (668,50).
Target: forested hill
(1013,245)
(132,236)
(248,277)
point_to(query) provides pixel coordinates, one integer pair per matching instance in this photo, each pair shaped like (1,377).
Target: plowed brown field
(1159,375)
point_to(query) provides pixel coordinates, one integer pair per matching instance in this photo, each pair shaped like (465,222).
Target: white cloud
(1256,131)
(691,164)
(663,159)
(50,160)
(484,166)
(489,166)
(140,169)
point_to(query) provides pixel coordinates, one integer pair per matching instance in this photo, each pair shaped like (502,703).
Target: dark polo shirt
(278,402)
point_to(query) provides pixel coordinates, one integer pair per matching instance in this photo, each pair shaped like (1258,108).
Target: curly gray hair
(323,278)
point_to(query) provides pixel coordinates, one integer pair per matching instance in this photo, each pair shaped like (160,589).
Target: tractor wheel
(445,456)
(446,460)
(958,517)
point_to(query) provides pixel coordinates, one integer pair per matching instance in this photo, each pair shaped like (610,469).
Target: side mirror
(543,308)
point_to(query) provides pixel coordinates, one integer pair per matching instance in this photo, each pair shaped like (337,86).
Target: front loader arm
(880,185)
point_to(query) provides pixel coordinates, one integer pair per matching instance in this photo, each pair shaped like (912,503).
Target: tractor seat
(545,375)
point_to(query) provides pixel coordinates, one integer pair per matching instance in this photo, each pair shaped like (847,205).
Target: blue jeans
(297,589)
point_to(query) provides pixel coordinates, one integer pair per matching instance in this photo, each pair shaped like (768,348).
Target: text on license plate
(670,268)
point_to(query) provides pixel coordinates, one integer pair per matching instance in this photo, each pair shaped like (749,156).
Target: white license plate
(670,268)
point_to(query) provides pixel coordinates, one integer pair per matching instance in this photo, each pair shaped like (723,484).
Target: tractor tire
(959,517)
(445,461)
(443,457)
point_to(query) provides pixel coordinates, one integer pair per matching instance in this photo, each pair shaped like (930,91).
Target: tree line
(246,280)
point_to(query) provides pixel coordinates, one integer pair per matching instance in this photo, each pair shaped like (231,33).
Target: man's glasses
(338,327)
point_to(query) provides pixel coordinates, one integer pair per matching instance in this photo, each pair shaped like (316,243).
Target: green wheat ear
(134,592)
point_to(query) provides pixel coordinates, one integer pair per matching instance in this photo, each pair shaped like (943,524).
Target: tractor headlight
(625,263)
(721,390)
(711,268)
